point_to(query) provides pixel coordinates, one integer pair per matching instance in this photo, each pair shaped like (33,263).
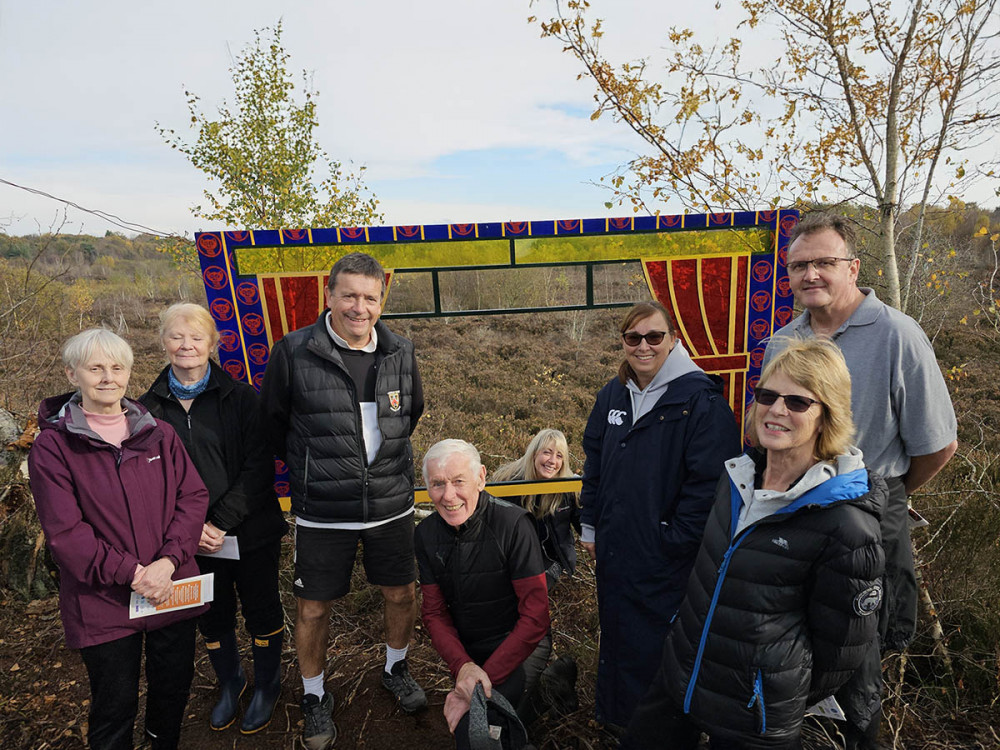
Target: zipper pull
(757,690)
(758,700)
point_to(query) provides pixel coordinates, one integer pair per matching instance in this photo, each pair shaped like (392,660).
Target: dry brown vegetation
(495,381)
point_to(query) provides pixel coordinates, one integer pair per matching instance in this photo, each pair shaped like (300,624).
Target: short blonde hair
(190,313)
(818,365)
(79,349)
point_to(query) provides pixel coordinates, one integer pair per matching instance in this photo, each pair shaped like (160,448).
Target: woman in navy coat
(655,445)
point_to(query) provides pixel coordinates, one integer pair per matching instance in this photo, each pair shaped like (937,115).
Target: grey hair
(447,448)
(80,348)
(359,263)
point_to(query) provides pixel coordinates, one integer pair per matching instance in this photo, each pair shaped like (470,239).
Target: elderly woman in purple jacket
(122,507)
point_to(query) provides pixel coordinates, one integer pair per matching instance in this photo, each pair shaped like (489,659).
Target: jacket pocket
(757,702)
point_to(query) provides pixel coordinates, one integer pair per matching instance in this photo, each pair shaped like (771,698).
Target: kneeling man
(482,576)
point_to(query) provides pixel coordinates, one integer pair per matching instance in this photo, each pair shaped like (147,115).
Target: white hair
(444,449)
(80,348)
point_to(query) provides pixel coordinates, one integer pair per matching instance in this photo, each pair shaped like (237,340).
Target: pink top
(112,428)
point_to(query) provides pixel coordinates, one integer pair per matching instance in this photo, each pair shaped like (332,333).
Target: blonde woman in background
(555,514)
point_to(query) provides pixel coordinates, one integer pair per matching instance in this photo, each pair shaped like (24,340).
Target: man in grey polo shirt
(905,421)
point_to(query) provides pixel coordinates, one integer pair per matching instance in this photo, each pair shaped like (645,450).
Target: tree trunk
(887,225)
(25,565)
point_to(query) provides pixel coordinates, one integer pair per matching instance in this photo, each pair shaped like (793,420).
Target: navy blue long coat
(648,488)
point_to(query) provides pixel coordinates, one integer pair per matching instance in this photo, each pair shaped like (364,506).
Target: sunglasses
(766,397)
(634,339)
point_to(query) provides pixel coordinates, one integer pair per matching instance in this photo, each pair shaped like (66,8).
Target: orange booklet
(187,593)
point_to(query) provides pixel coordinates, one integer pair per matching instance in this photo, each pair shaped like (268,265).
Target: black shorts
(324,558)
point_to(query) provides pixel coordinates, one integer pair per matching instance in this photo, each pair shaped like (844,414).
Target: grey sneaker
(399,682)
(320,731)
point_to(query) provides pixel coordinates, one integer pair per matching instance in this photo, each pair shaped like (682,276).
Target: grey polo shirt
(899,398)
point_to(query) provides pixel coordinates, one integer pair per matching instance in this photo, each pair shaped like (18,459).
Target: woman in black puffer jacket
(780,606)
(219,421)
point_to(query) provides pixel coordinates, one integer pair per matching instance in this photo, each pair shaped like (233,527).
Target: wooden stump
(26,568)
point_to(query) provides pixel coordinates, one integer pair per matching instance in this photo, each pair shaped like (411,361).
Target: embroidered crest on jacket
(868,601)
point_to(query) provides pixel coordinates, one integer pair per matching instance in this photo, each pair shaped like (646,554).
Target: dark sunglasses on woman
(653,337)
(767,397)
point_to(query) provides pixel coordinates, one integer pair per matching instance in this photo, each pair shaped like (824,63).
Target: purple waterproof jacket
(104,510)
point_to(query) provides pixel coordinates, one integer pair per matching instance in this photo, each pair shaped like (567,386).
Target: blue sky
(457,108)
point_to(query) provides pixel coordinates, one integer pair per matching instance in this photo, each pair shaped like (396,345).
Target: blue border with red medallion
(771,304)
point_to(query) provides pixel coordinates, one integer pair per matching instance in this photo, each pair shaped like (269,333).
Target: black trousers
(516,689)
(113,669)
(254,577)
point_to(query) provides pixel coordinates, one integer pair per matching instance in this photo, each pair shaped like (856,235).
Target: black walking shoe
(399,682)
(557,686)
(320,731)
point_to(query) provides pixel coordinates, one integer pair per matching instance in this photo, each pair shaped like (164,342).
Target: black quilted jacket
(315,420)
(779,615)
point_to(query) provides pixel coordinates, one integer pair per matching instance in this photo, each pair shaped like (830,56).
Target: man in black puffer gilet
(341,398)
(323,444)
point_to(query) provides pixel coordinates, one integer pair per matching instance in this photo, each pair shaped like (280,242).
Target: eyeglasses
(653,337)
(767,397)
(820,264)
